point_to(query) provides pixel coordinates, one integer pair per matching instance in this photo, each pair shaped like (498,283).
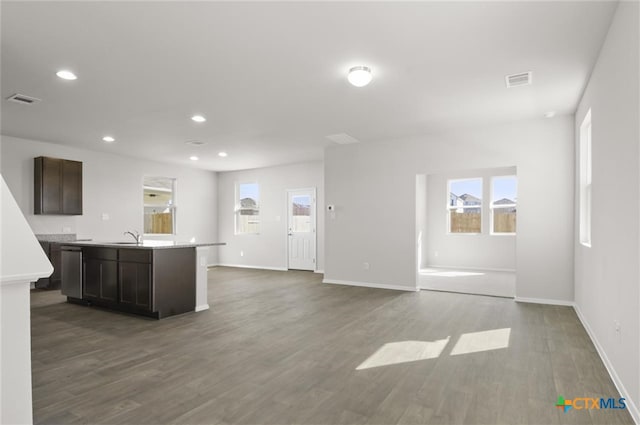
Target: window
(300,213)
(465,206)
(247,208)
(159,205)
(504,195)
(585,180)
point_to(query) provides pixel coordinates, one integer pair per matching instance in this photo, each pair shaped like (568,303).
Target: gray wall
(112,185)
(269,248)
(607,275)
(483,251)
(374,189)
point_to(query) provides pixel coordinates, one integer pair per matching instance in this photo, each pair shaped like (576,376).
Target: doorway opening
(466,231)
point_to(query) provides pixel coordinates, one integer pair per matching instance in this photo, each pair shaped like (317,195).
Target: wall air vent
(23,99)
(342,139)
(516,80)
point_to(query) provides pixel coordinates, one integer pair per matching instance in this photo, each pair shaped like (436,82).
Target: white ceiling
(271,77)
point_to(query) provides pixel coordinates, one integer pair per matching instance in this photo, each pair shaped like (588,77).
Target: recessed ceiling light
(198,118)
(108,139)
(66,75)
(222,154)
(193,158)
(550,114)
(360,76)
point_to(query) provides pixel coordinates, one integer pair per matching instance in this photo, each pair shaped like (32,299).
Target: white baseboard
(631,406)
(202,307)
(319,271)
(369,285)
(544,301)
(244,266)
(480,269)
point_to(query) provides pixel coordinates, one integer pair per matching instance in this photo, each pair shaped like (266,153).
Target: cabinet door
(135,284)
(100,279)
(48,184)
(72,187)
(56,261)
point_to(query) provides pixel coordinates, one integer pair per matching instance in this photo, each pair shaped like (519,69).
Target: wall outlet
(616,326)
(277,218)
(105,216)
(66,229)
(242,253)
(435,254)
(365,266)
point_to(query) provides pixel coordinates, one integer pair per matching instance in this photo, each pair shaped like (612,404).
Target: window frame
(451,207)
(238,208)
(501,206)
(585,180)
(173,207)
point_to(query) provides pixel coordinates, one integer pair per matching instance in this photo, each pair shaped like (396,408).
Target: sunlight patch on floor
(475,342)
(404,352)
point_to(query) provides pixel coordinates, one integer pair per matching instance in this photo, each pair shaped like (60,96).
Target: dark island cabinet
(57,186)
(135,279)
(100,274)
(151,282)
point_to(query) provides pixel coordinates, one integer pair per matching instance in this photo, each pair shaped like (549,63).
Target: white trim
(202,307)
(319,271)
(481,269)
(27,278)
(370,285)
(631,407)
(210,266)
(544,301)
(244,266)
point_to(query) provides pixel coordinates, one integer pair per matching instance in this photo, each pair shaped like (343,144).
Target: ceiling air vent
(342,139)
(195,143)
(23,99)
(515,80)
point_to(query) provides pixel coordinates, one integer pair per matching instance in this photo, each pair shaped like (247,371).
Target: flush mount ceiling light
(198,118)
(193,158)
(66,75)
(360,76)
(550,114)
(108,139)
(222,154)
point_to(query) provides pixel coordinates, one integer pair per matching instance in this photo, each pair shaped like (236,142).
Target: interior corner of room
(430,202)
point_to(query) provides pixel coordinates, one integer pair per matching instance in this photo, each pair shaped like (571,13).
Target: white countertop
(147,244)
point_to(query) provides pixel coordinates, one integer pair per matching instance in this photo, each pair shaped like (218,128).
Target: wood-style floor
(283,348)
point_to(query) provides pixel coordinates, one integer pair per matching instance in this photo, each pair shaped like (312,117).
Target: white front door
(301,228)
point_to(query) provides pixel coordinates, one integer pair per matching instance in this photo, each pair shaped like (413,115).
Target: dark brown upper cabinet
(57,186)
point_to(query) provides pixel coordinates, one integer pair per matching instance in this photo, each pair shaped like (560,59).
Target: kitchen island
(152,278)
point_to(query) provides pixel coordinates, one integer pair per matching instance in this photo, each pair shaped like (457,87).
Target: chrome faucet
(135,235)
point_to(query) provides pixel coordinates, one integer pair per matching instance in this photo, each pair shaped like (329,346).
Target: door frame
(314,224)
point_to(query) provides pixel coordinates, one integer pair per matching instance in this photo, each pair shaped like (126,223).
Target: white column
(202,257)
(15,354)
(21,261)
